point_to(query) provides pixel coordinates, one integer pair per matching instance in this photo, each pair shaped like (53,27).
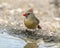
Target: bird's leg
(27,31)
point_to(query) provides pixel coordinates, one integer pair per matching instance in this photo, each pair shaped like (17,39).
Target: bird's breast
(31,24)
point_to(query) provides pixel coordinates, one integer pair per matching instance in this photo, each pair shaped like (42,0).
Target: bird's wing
(37,21)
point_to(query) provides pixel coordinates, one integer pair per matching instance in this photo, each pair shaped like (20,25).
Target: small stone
(12,11)
(56,18)
(19,10)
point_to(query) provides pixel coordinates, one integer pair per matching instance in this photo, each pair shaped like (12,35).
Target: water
(7,41)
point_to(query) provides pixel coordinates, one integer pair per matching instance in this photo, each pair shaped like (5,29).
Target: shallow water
(7,41)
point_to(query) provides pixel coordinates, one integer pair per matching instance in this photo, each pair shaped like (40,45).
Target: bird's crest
(30,10)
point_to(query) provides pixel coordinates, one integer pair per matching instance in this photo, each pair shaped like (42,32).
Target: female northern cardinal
(31,21)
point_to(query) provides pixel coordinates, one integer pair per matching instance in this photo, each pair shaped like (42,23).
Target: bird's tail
(39,27)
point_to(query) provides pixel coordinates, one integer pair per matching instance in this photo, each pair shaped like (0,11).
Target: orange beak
(25,14)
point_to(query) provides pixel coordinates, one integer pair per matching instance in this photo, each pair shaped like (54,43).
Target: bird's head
(27,13)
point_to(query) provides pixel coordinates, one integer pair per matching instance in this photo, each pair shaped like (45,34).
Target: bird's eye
(28,13)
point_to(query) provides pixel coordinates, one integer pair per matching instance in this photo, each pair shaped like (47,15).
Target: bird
(31,21)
